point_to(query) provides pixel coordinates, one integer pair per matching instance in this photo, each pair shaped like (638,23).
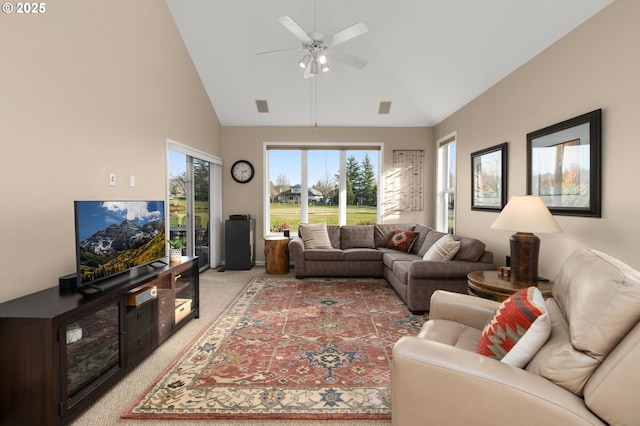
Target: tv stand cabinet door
(91,354)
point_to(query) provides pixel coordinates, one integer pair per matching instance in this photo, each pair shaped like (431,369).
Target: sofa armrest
(296,252)
(437,384)
(465,309)
(296,246)
(450,269)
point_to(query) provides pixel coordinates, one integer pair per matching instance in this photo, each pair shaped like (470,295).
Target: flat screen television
(113,237)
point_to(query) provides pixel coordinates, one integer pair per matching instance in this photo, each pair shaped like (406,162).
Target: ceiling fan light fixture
(304,61)
(322,58)
(314,67)
(325,68)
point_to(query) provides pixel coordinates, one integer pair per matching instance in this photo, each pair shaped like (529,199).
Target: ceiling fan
(317,45)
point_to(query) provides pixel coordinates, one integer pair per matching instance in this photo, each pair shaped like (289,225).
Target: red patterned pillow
(402,240)
(518,329)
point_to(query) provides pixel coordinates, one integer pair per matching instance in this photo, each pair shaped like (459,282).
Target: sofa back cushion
(357,236)
(470,249)
(383,232)
(558,361)
(429,240)
(600,297)
(334,235)
(417,245)
(595,304)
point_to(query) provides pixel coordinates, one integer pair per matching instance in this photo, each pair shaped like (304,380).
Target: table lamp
(525,214)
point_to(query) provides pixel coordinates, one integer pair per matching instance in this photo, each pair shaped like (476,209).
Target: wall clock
(242,171)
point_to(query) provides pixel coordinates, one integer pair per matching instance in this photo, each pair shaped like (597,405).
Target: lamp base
(525,247)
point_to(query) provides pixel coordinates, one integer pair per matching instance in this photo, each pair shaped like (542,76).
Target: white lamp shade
(526,213)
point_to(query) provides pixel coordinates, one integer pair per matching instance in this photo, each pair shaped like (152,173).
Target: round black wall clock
(242,171)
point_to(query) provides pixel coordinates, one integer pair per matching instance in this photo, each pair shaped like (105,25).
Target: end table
(276,255)
(491,285)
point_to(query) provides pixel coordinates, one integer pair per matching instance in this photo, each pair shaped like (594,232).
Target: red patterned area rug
(289,349)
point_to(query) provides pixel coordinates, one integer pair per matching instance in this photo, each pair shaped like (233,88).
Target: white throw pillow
(443,249)
(315,236)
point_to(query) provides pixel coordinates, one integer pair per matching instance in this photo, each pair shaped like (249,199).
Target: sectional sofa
(396,252)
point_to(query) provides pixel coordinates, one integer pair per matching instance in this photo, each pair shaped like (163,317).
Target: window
(446,212)
(321,183)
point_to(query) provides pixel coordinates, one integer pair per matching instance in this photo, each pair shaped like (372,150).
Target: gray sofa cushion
(324,254)
(358,236)
(470,249)
(390,256)
(417,245)
(334,235)
(430,240)
(362,254)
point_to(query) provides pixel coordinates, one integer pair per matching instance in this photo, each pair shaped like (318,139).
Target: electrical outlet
(132,181)
(112,179)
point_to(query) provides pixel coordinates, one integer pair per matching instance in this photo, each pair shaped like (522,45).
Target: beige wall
(88,88)
(595,66)
(247,143)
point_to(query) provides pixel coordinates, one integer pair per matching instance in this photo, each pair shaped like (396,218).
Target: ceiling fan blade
(348,59)
(279,51)
(296,29)
(346,34)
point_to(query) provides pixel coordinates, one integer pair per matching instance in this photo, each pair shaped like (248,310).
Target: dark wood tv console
(60,351)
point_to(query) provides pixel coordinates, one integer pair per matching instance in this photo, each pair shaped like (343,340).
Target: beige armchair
(587,373)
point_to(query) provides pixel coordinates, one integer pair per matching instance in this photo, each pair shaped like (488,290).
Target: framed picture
(489,178)
(564,165)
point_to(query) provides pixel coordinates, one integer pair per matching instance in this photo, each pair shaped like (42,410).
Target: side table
(276,255)
(491,285)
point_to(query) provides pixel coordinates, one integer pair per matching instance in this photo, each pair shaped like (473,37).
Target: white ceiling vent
(385,107)
(262,106)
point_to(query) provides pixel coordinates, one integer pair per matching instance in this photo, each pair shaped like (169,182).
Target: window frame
(444,190)
(304,147)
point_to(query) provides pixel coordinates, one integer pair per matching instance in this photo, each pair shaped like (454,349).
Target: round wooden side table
(491,285)
(276,255)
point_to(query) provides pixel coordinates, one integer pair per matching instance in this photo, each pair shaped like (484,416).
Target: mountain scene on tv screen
(120,247)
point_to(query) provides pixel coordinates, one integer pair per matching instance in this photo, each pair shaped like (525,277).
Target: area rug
(289,349)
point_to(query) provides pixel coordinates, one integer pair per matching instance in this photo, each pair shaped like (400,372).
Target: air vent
(262,106)
(385,107)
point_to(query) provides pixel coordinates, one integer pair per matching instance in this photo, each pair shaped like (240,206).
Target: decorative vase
(175,255)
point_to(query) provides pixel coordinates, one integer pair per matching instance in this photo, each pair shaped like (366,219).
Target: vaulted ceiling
(427,57)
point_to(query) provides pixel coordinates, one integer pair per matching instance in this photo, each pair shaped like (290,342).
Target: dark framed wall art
(489,178)
(564,165)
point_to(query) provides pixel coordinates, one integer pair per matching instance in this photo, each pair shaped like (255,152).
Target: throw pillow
(443,249)
(315,236)
(518,329)
(402,240)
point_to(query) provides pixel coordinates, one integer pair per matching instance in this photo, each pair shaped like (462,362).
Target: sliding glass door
(194,187)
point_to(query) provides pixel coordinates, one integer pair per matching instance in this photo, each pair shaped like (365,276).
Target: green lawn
(290,213)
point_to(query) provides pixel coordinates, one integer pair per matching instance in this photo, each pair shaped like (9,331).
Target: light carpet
(289,349)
